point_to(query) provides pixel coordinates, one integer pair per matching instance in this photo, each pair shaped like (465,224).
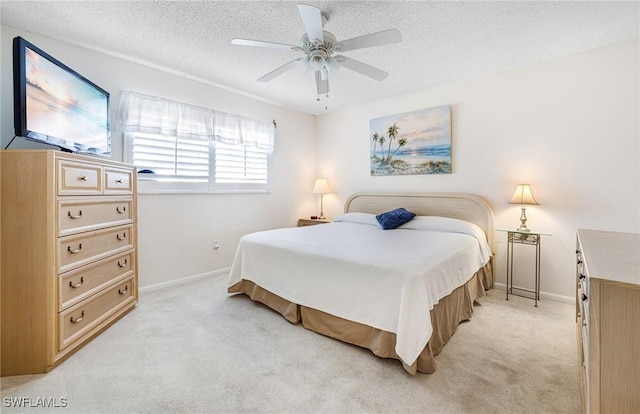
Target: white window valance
(152,115)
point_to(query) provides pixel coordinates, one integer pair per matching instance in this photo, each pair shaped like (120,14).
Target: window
(176,164)
(180,148)
(237,165)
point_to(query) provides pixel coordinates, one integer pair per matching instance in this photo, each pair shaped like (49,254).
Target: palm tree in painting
(401,143)
(381,141)
(375,138)
(392,132)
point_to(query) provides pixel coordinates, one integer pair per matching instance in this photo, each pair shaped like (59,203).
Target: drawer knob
(76,250)
(76,216)
(122,292)
(119,181)
(122,264)
(124,208)
(78,320)
(77,285)
(83,178)
(124,236)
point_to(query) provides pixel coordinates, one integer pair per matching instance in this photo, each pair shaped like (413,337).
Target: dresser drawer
(77,178)
(118,181)
(77,285)
(81,318)
(75,216)
(80,249)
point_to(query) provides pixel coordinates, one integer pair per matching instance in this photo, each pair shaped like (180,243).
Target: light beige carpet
(191,348)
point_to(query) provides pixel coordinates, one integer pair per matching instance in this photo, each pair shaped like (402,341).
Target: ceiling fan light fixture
(317,59)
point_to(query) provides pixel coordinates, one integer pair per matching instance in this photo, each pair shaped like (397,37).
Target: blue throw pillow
(394,218)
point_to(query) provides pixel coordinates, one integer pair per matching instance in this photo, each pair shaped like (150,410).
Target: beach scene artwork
(416,142)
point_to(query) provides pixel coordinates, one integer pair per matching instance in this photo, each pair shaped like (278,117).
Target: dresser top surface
(93,159)
(611,255)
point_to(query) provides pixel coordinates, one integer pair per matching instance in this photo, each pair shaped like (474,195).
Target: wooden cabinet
(608,320)
(69,254)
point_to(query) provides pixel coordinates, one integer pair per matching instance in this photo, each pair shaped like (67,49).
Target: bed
(400,293)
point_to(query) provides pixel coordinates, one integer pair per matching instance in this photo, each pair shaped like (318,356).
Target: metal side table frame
(530,238)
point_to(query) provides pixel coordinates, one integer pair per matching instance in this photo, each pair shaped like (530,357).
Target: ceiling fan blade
(312,19)
(277,72)
(322,85)
(362,68)
(260,43)
(374,39)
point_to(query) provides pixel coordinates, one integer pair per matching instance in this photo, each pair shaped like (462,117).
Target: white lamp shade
(321,186)
(523,196)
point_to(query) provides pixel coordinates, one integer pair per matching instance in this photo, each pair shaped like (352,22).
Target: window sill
(200,192)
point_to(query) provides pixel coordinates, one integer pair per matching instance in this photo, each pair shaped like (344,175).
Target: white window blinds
(238,164)
(171,158)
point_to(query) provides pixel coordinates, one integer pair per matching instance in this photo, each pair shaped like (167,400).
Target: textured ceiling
(442,42)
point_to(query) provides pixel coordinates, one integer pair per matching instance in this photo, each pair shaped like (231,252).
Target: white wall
(175,232)
(569,127)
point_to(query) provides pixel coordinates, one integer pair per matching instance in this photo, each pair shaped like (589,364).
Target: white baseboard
(162,285)
(543,295)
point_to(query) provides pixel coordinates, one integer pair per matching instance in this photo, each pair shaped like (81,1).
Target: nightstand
(306,221)
(528,238)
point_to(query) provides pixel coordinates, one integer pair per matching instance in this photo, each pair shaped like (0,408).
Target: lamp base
(321,216)
(523,220)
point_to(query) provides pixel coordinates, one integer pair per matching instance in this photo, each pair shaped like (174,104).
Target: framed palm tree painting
(416,142)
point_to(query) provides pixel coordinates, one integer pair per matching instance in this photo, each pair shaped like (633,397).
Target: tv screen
(56,105)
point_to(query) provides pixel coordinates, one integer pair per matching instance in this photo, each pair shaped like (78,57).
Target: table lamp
(321,187)
(524,197)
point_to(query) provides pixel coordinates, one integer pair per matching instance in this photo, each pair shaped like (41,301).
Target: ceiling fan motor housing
(326,44)
(318,51)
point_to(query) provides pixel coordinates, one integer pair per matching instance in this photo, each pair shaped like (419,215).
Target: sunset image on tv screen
(64,106)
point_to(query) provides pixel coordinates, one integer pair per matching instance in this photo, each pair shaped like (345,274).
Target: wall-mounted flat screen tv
(56,105)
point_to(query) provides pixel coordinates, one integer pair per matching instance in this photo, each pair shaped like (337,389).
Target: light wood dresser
(69,255)
(608,320)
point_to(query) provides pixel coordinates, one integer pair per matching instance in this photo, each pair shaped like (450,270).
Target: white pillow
(359,218)
(451,225)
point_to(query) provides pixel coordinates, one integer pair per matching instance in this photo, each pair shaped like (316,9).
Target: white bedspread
(387,279)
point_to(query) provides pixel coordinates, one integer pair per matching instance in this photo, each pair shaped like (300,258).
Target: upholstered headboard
(463,206)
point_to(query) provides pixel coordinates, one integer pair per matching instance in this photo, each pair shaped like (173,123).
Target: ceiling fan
(320,50)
